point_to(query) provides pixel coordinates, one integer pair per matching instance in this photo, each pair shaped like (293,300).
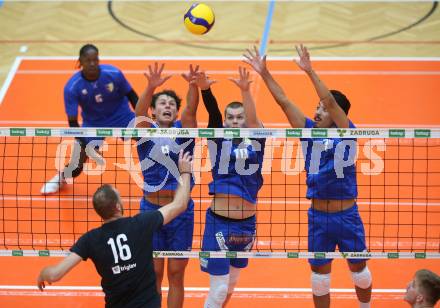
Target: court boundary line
(274,72)
(227,58)
(267,27)
(11,74)
(199,289)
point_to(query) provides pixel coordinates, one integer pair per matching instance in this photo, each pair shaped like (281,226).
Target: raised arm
(181,198)
(54,273)
(154,80)
(294,115)
(243,83)
(336,113)
(204,83)
(189,114)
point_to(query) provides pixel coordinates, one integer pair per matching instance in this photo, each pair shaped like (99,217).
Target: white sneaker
(53,185)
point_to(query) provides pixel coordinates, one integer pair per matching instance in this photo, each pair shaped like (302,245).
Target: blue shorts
(177,235)
(225,234)
(328,230)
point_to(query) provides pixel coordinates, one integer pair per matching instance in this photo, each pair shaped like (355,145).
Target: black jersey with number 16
(123,256)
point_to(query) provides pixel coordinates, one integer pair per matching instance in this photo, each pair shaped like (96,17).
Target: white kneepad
(362,279)
(218,290)
(320,284)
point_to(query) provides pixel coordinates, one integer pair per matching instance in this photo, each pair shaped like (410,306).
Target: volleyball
(199,19)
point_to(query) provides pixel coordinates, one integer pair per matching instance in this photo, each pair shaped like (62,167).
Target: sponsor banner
(260,254)
(420,255)
(17,253)
(226,132)
(364,132)
(172,254)
(319,133)
(206,133)
(396,133)
(293,255)
(341,132)
(295,133)
(393,255)
(204,254)
(231,254)
(422,133)
(241,254)
(44,253)
(319,255)
(43,132)
(104,132)
(129,133)
(73,132)
(356,255)
(231,133)
(261,133)
(17,131)
(173,132)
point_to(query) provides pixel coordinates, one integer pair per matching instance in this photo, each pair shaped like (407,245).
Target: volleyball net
(398,176)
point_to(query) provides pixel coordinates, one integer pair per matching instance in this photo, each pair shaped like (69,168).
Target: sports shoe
(53,185)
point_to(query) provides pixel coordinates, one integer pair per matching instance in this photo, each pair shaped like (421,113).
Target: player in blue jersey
(331,180)
(103,94)
(236,171)
(158,157)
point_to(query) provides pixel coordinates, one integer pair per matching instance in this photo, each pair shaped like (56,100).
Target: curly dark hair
(169,93)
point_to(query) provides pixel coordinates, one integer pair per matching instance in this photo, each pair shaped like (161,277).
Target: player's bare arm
(337,114)
(189,118)
(54,273)
(155,80)
(294,115)
(244,82)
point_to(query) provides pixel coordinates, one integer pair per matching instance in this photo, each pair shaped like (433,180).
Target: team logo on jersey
(84,92)
(247,141)
(327,144)
(110,87)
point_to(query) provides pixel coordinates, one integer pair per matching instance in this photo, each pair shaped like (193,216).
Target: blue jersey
(103,102)
(330,166)
(236,167)
(159,161)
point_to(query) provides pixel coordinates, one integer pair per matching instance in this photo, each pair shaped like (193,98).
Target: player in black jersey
(121,248)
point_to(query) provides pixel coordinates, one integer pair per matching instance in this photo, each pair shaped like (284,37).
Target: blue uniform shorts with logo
(225,234)
(328,230)
(177,235)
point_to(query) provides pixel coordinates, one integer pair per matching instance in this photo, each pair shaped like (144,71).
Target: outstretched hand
(191,74)
(185,162)
(254,59)
(154,75)
(243,82)
(304,62)
(202,81)
(41,281)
